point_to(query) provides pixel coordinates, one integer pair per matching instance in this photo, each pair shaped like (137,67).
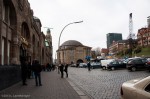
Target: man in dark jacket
(66,70)
(24,71)
(62,70)
(89,66)
(37,72)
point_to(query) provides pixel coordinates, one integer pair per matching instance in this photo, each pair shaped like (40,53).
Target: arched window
(6,13)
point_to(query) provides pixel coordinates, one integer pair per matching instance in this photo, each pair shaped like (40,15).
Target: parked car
(95,65)
(105,62)
(73,65)
(136,89)
(148,64)
(82,65)
(136,63)
(116,64)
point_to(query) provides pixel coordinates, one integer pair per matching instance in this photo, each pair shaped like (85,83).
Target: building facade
(117,46)
(113,37)
(148,22)
(143,37)
(20,39)
(73,51)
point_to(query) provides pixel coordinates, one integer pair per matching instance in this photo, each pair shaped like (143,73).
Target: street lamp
(48,28)
(63,30)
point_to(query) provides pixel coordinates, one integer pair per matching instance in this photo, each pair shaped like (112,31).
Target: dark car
(116,64)
(95,65)
(148,64)
(137,63)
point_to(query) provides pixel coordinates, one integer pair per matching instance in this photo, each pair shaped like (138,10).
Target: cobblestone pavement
(102,84)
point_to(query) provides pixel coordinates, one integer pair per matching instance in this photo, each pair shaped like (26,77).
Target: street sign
(88,58)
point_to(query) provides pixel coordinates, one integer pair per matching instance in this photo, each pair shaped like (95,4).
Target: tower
(48,36)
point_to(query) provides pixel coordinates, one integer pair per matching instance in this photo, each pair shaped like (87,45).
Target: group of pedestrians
(48,67)
(28,69)
(63,68)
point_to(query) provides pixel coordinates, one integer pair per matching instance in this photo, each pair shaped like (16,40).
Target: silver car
(136,89)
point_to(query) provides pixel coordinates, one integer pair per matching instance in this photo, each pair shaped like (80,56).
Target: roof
(72,43)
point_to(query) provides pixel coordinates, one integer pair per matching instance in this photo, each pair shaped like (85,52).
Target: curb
(82,94)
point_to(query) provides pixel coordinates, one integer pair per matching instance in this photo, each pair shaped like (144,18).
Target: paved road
(102,84)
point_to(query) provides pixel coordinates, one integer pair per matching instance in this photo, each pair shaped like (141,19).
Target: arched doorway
(25,53)
(79,61)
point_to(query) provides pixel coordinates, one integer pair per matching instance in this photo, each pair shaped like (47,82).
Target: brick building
(73,51)
(20,39)
(117,46)
(143,37)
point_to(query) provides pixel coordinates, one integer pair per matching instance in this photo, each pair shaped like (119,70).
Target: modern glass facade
(113,37)
(148,21)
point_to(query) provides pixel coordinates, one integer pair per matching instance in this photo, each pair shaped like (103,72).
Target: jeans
(37,78)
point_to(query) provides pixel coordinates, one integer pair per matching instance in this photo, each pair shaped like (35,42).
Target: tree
(98,51)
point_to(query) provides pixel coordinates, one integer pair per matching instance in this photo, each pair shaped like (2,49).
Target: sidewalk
(53,87)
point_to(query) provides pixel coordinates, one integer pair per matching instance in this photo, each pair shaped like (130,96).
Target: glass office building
(113,37)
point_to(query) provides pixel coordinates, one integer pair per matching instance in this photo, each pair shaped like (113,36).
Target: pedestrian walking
(61,68)
(89,66)
(24,71)
(48,67)
(37,72)
(66,70)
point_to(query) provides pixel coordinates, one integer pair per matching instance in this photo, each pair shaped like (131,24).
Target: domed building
(73,51)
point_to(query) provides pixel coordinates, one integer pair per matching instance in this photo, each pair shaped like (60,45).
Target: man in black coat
(36,67)
(66,70)
(61,68)
(89,66)
(24,71)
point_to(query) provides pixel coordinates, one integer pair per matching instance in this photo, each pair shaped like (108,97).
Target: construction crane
(131,37)
(131,34)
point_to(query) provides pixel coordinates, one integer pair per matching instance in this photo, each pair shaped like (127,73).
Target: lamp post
(63,30)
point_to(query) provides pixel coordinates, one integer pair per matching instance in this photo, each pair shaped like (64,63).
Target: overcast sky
(99,18)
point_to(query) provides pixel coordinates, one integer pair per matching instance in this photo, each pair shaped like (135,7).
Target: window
(148,88)
(3,13)
(8,52)
(6,13)
(2,51)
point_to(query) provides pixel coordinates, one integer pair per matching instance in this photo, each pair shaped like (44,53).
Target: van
(105,62)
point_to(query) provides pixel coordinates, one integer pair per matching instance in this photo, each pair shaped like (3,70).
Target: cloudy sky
(99,18)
